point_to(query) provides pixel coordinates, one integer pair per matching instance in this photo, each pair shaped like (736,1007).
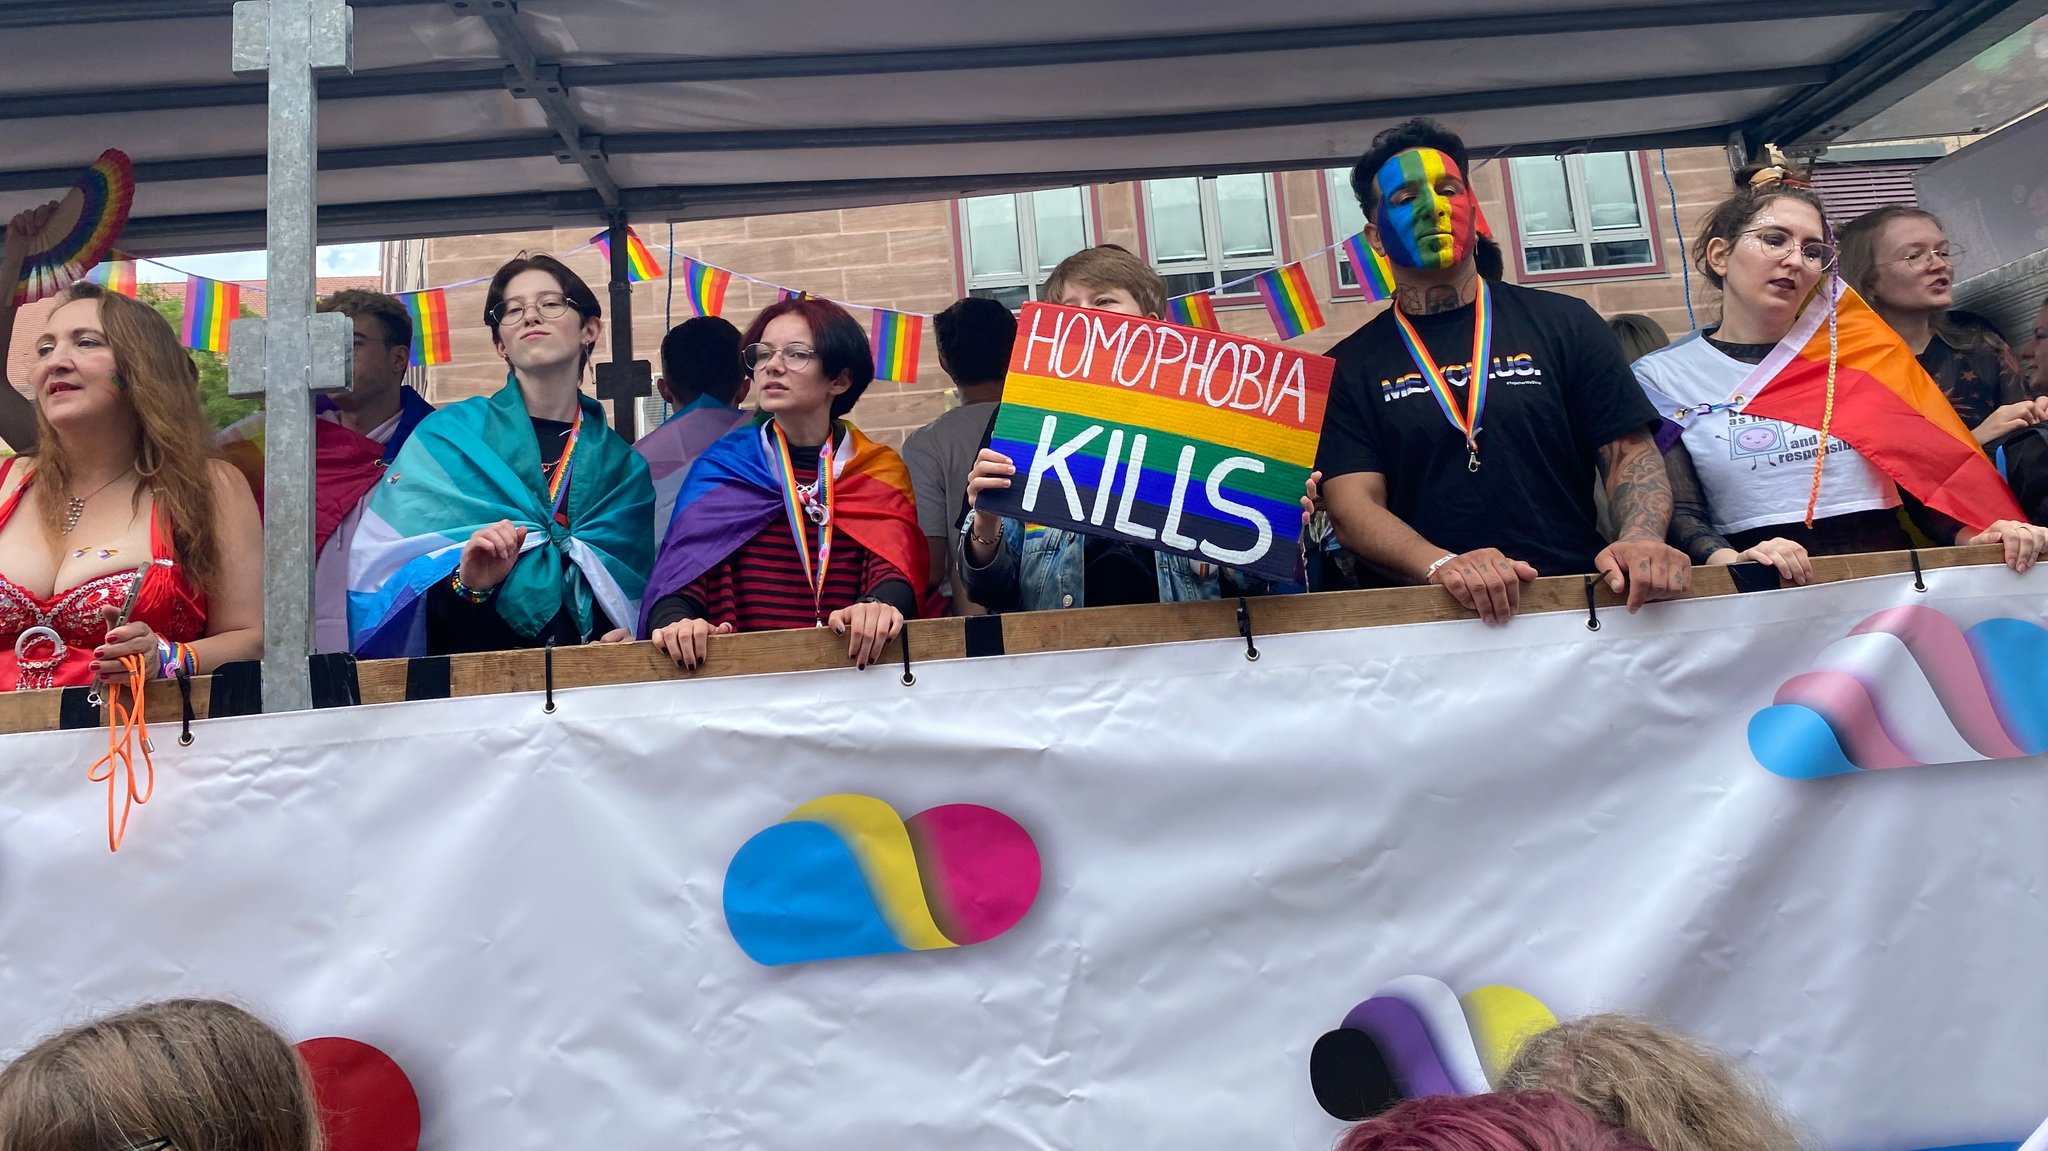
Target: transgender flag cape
(735,489)
(470,465)
(1886,407)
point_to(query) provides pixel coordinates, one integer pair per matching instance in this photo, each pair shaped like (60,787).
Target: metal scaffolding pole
(291,353)
(624,380)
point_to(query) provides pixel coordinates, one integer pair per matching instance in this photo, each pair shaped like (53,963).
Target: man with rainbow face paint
(1481,478)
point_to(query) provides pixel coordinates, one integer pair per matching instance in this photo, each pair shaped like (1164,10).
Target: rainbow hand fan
(80,231)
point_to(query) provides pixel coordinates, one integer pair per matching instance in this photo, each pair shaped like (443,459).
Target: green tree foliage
(221,408)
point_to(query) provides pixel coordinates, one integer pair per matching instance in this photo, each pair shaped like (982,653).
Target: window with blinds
(1853,189)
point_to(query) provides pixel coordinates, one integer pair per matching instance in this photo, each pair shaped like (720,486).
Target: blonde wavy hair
(1670,1091)
(174,458)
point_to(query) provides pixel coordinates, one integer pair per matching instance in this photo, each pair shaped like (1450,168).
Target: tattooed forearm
(1638,490)
(1428,299)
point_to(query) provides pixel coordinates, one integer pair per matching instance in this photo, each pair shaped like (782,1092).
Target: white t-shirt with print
(1756,472)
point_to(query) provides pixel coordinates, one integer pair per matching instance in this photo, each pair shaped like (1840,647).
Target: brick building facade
(1551,213)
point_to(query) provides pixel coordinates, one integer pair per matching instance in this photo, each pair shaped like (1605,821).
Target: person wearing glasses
(1740,484)
(794,518)
(513,520)
(178,1075)
(1900,260)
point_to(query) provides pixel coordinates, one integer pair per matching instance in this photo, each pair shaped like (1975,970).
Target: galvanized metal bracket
(331,335)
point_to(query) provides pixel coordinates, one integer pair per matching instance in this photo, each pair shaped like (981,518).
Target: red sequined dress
(49,643)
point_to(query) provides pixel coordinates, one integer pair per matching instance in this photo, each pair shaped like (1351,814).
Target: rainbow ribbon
(794,507)
(1467,421)
(558,483)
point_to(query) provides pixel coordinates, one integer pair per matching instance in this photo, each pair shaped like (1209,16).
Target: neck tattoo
(75,505)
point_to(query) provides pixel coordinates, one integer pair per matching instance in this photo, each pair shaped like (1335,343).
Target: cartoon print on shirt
(1772,442)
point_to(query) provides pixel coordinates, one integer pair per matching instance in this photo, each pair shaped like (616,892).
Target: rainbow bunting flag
(1289,301)
(1886,406)
(1196,311)
(784,295)
(116,273)
(705,285)
(640,263)
(1375,275)
(209,306)
(429,312)
(897,336)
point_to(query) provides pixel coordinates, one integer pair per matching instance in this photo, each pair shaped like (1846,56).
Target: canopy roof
(481,115)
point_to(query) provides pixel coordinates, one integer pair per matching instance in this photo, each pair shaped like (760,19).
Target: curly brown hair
(201,1073)
(1668,1090)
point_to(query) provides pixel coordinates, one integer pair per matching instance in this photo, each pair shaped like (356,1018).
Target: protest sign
(1188,441)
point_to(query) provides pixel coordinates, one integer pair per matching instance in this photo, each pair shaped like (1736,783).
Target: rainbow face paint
(1421,223)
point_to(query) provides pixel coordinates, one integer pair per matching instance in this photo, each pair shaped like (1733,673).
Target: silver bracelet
(1430,571)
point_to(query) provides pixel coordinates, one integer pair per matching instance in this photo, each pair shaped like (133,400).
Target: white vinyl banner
(1170,870)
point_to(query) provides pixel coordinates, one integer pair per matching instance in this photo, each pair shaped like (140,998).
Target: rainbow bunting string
(430,339)
(705,285)
(116,273)
(209,306)
(1289,301)
(784,295)
(1196,311)
(897,336)
(1375,275)
(640,263)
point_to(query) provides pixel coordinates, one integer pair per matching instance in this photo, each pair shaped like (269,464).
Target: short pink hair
(1531,1121)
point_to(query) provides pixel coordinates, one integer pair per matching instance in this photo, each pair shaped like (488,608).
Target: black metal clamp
(903,641)
(548,670)
(1919,583)
(1592,615)
(1244,628)
(185,703)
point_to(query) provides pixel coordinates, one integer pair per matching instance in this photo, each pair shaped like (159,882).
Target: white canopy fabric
(719,108)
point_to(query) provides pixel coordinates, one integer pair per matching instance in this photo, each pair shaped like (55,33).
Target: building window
(1010,243)
(1347,219)
(1206,231)
(1581,213)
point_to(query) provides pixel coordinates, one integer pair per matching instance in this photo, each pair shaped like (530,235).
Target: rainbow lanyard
(558,483)
(1466,421)
(799,509)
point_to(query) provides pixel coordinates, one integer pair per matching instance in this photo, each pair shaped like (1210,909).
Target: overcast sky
(335,260)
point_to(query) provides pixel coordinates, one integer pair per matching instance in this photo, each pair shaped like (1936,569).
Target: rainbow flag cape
(734,491)
(1289,301)
(473,464)
(705,285)
(1375,275)
(430,339)
(116,273)
(209,305)
(1886,407)
(1196,311)
(640,263)
(897,336)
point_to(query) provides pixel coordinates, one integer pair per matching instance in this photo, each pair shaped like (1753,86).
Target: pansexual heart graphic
(1907,687)
(1416,1037)
(844,875)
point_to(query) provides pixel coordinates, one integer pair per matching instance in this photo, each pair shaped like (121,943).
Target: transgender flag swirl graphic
(1905,688)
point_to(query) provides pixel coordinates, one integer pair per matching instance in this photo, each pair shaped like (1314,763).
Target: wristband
(166,658)
(468,593)
(1429,572)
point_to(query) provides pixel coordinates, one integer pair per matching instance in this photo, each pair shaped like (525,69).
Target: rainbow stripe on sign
(705,285)
(1185,440)
(640,263)
(209,305)
(1289,301)
(897,336)
(1196,311)
(430,339)
(1375,275)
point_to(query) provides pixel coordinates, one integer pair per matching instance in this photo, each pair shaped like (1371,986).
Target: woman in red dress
(123,495)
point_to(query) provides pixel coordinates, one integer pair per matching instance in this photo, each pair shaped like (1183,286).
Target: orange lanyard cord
(125,725)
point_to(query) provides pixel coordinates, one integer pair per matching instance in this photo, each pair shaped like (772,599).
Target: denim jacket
(1043,568)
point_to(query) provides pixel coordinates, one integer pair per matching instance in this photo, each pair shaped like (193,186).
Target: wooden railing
(395,680)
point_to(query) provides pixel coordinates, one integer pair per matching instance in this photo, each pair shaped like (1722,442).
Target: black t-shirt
(1560,390)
